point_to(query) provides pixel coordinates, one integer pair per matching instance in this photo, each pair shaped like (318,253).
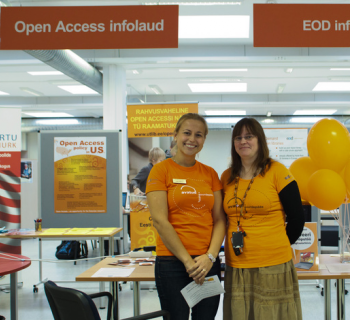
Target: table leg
(327,299)
(102,284)
(116,299)
(136,298)
(14,296)
(340,299)
(40,260)
(111,246)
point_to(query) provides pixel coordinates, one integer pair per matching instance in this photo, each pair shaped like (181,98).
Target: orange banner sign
(104,27)
(156,120)
(301,25)
(143,233)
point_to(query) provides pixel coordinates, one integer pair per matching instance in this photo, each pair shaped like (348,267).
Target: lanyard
(239,227)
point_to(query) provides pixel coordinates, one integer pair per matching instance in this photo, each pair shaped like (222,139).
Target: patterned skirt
(268,293)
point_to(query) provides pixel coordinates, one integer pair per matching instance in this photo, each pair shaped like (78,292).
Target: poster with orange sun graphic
(80,175)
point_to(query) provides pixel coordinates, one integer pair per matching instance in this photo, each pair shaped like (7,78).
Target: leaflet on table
(194,293)
(113,272)
(305,249)
(80,177)
(78,231)
(55,231)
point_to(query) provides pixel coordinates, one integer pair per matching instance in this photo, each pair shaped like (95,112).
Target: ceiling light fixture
(305,119)
(289,70)
(214,27)
(280,88)
(4,93)
(78,89)
(310,112)
(268,113)
(155,89)
(212,70)
(222,120)
(332,86)
(136,71)
(45,73)
(218,87)
(268,121)
(48,114)
(57,121)
(32,91)
(225,113)
(340,69)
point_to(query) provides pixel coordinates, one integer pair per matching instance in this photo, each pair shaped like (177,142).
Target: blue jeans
(171,277)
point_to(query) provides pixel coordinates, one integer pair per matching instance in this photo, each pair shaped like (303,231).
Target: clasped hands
(198,268)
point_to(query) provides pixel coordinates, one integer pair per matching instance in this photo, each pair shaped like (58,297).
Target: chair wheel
(346,291)
(35,290)
(322,292)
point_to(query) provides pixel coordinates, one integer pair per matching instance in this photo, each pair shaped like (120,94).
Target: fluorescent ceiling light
(268,113)
(289,70)
(225,113)
(58,121)
(3,93)
(314,112)
(213,27)
(268,121)
(156,89)
(280,88)
(136,71)
(305,119)
(332,86)
(222,120)
(32,91)
(78,89)
(218,87)
(48,114)
(45,73)
(340,69)
(212,70)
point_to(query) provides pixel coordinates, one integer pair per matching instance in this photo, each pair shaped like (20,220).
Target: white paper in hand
(193,293)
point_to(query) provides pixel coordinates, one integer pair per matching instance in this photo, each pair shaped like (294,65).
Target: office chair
(72,304)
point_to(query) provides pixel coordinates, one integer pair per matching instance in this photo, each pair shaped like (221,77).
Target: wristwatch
(211,257)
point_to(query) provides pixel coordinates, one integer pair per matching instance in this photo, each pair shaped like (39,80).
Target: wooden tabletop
(141,273)
(10,263)
(65,233)
(146,273)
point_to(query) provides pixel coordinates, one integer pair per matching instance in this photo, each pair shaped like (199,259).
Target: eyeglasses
(246,138)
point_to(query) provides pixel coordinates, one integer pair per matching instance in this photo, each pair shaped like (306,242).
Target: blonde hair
(155,154)
(191,116)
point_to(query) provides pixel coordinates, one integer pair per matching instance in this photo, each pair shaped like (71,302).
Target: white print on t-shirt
(194,191)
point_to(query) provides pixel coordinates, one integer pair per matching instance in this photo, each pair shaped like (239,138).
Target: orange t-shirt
(266,242)
(190,202)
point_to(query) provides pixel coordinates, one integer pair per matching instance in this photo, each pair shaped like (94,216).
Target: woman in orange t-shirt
(259,193)
(185,201)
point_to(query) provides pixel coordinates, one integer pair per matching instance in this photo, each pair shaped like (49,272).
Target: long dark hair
(262,161)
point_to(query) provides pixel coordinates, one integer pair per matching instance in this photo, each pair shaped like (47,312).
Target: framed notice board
(80,184)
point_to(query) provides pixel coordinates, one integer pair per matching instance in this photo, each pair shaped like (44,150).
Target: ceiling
(266,70)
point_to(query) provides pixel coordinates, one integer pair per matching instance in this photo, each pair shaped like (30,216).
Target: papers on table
(194,293)
(79,231)
(55,231)
(113,272)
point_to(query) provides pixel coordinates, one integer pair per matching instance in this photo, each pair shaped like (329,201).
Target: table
(65,234)
(11,267)
(141,273)
(146,273)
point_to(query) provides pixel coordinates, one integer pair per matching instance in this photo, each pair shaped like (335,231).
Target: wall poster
(80,175)
(26,171)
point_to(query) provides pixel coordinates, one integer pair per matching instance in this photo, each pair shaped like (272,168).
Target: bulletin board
(112,215)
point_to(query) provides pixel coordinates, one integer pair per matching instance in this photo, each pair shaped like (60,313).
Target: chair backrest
(70,304)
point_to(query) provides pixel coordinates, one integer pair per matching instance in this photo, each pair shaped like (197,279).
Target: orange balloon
(302,169)
(328,143)
(326,189)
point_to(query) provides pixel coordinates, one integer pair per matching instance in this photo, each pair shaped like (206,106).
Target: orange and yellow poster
(305,249)
(80,175)
(143,233)
(156,120)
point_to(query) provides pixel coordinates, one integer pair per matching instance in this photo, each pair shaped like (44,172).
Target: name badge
(179,181)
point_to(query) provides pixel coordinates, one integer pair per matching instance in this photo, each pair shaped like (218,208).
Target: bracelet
(211,257)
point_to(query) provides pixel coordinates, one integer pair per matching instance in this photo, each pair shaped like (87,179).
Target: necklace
(239,227)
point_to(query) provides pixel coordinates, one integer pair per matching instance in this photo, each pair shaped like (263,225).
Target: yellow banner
(142,230)
(156,120)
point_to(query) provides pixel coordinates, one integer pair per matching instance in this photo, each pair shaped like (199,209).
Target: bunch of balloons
(324,177)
